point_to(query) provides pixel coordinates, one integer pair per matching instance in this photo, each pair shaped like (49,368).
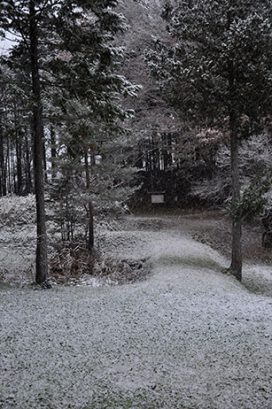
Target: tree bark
(53,152)
(44,158)
(18,148)
(19,189)
(13,169)
(236,259)
(3,166)
(90,241)
(27,165)
(38,148)
(236,250)
(8,161)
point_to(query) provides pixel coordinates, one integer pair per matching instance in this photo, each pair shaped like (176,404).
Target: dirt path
(188,337)
(214,228)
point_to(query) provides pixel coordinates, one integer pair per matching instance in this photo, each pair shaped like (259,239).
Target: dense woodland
(105,103)
(135,204)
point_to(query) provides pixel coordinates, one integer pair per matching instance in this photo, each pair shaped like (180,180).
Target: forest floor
(213,228)
(187,337)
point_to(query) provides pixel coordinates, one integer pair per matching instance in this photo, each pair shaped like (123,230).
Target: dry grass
(71,262)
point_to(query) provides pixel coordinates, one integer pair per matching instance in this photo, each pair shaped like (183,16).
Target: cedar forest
(69,102)
(136,187)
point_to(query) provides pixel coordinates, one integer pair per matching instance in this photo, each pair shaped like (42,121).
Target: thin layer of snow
(17,210)
(163,248)
(188,337)
(17,239)
(258,278)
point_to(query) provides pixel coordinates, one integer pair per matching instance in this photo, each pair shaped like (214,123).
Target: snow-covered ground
(187,337)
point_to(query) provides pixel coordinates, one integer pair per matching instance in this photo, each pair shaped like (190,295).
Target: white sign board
(157,198)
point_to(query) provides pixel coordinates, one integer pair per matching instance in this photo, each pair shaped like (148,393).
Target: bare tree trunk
(3,165)
(13,170)
(41,250)
(53,152)
(44,159)
(90,242)
(8,159)
(236,259)
(27,165)
(18,150)
(19,189)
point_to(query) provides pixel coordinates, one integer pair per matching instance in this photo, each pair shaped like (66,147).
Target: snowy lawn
(188,337)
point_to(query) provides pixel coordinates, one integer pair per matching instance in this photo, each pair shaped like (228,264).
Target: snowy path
(188,337)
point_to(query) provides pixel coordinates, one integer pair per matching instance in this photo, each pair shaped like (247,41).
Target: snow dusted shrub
(75,264)
(118,272)
(253,199)
(17,210)
(71,262)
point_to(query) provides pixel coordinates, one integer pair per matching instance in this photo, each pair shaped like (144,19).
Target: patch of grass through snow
(191,261)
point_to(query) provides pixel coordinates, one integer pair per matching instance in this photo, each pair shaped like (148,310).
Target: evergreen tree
(70,44)
(87,91)
(25,19)
(216,72)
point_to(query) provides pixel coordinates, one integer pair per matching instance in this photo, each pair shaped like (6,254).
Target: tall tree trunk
(38,147)
(18,150)
(8,159)
(3,165)
(44,159)
(53,152)
(90,242)
(13,168)
(236,259)
(19,166)
(27,165)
